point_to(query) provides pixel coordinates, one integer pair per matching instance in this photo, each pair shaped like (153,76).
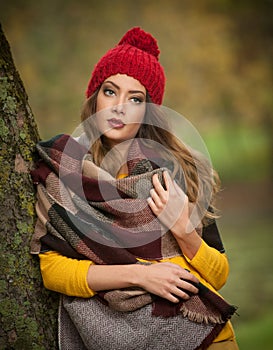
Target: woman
(126,231)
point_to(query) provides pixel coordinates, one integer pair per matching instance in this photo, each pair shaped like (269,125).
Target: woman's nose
(119,108)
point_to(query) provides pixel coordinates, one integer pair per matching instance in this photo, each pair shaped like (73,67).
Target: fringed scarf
(84,213)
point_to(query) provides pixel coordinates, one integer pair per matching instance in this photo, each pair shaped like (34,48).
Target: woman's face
(121,105)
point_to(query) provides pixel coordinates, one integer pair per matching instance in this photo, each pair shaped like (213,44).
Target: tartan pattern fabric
(109,222)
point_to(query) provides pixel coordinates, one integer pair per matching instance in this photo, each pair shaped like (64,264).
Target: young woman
(126,229)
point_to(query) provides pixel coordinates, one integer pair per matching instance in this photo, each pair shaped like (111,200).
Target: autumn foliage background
(217,57)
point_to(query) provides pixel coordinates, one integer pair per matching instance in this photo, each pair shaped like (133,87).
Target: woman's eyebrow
(130,91)
(115,85)
(137,92)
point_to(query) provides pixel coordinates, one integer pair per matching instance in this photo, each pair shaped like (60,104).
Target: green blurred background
(217,57)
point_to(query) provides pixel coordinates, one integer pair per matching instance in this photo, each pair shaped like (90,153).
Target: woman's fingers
(181,290)
(167,181)
(170,281)
(158,194)
(172,188)
(158,201)
(184,289)
(159,189)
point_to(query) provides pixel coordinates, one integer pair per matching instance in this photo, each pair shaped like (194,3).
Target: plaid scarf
(91,215)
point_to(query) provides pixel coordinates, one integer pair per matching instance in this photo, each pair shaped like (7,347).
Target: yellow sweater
(69,276)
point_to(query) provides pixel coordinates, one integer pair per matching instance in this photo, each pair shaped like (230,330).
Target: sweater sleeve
(65,275)
(211,264)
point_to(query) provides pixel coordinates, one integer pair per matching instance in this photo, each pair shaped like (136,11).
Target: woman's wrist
(137,274)
(182,229)
(189,243)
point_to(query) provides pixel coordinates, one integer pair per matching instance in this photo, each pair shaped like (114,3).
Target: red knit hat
(136,55)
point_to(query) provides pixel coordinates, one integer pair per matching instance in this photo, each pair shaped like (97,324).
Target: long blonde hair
(201,181)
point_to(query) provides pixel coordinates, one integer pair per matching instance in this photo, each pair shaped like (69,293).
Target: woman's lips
(116,123)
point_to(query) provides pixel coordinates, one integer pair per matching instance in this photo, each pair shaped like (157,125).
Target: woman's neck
(121,154)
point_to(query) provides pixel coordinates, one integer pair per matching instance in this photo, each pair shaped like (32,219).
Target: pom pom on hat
(142,40)
(136,55)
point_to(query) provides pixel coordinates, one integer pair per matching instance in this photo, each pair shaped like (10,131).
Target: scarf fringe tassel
(199,318)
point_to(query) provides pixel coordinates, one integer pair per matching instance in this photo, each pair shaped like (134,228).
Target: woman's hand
(171,206)
(168,281)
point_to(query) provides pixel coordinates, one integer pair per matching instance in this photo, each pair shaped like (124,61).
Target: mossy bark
(28,312)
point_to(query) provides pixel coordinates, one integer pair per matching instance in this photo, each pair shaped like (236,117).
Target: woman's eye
(136,100)
(108,92)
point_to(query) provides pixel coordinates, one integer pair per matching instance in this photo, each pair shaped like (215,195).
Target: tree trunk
(28,312)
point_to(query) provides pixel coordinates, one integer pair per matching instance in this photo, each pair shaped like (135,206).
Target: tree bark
(28,312)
